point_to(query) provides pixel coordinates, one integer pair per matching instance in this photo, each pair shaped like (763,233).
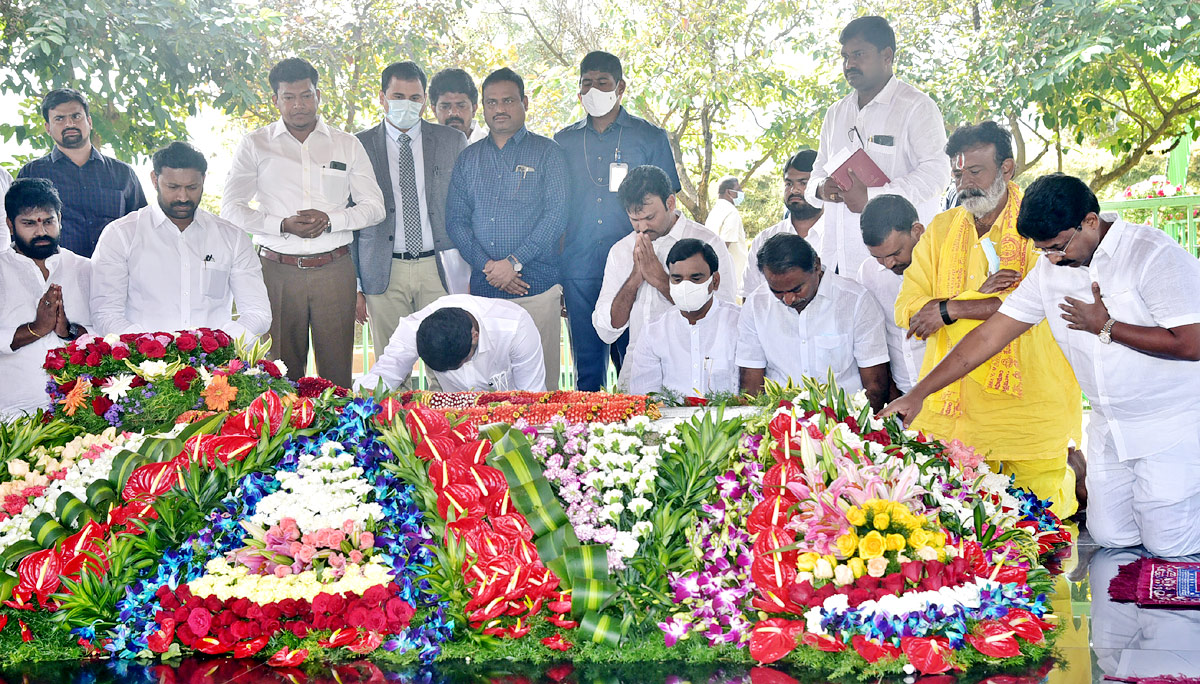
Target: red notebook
(864,167)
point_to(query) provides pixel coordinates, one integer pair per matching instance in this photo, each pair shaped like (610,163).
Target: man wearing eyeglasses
(967,262)
(1126,313)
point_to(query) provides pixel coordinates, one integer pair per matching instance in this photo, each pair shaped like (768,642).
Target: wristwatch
(74,332)
(515,264)
(1106,331)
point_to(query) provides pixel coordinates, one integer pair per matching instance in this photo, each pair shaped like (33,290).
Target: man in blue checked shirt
(507,210)
(600,150)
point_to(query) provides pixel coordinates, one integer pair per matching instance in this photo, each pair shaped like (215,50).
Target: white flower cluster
(325,491)
(227,581)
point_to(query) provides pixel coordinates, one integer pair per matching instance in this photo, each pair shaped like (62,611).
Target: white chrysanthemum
(152,369)
(118,386)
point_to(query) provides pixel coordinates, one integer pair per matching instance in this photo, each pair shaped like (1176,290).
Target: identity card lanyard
(616,170)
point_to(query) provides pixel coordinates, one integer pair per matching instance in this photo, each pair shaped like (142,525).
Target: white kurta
(692,360)
(508,357)
(21,287)
(149,276)
(840,330)
(753,277)
(1144,432)
(726,222)
(905,354)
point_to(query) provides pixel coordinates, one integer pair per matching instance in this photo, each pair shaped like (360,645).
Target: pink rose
(305,554)
(356,556)
(348,527)
(282,571)
(336,560)
(294,548)
(366,540)
(335,539)
(310,539)
(289,528)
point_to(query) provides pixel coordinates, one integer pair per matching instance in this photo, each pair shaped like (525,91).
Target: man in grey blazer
(399,272)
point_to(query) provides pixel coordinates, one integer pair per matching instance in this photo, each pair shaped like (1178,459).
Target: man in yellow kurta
(1021,408)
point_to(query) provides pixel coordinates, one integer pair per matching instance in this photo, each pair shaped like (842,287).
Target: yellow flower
(918,538)
(856,516)
(833,561)
(895,542)
(858,567)
(881,521)
(805,562)
(938,540)
(847,543)
(871,546)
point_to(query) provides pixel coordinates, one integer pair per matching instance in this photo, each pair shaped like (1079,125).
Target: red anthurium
(927,654)
(287,658)
(239,425)
(26,634)
(39,572)
(20,600)
(774,638)
(1025,625)
(150,481)
(443,473)
(423,423)
(250,647)
(824,642)
(771,572)
(463,499)
(783,426)
(556,643)
(513,525)
(266,408)
(366,642)
(389,408)
(873,651)
(766,675)
(560,672)
(994,639)
(303,413)
(560,621)
(774,538)
(776,479)
(1010,573)
(161,640)
(490,481)
(435,448)
(339,638)
(561,604)
(211,645)
(3,622)
(474,452)
(772,511)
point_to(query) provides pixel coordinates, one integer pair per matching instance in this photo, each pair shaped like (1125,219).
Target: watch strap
(944,309)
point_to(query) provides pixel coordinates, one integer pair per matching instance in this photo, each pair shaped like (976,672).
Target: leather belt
(305,260)
(409,256)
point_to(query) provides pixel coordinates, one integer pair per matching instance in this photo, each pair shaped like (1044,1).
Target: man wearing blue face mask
(725,220)
(689,349)
(399,272)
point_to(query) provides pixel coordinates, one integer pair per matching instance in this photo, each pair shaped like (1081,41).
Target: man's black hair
(1054,203)
(291,70)
(405,71)
(985,133)
(643,180)
(784,252)
(501,75)
(690,247)
(444,338)
(884,214)
(725,184)
(60,96)
(875,30)
(453,81)
(604,62)
(31,193)
(802,161)
(179,155)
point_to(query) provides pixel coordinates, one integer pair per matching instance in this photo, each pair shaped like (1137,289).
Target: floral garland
(535,408)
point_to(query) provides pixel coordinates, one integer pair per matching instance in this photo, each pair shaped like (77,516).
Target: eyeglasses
(1061,251)
(853,135)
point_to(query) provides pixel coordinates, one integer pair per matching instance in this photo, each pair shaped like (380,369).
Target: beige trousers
(546,310)
(412,286)
(316,300)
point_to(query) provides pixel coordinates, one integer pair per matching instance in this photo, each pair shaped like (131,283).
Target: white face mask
(689,296)
(597,102)
(738,197)
(404,114)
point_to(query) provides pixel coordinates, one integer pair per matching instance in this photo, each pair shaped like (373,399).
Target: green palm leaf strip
(582,568)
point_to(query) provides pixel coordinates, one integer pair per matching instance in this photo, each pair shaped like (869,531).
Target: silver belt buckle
(300,264)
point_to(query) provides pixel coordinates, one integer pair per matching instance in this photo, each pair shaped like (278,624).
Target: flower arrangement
(536,408)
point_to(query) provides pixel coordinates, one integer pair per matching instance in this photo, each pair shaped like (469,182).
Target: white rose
(823,570)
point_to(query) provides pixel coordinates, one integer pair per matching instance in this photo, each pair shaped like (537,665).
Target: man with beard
(1126,313)
(173,266)
(808,322)
(1022,408)
(46,290)
(803,219)
(898,126)
(95,189)
(891,229)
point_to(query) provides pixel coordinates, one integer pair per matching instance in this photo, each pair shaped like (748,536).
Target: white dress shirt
(1145,279)
(905,354)
(151,276)
(650,303)
(393,148)
(726,222)
(915,161)
(273,175)
(22,286)
(477,133)
(692,360)
(508,357)
(5,181)
(753,277)
(841,330)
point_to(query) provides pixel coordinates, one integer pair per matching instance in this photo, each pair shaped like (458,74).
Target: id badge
(616,174)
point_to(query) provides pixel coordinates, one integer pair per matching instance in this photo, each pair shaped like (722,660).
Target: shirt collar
(412,133)
(1115,233)
(885,95)
(57,154)
(514,140)
(158,218)
(278,128)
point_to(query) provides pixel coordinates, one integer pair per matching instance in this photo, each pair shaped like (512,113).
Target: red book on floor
(864,167)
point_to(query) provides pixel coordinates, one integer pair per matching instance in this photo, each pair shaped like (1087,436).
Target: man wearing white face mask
(690,349)
(399,272)
(726,222)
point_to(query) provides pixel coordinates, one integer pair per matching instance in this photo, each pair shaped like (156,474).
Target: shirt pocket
(335,186)
(1127,306)
(214,281)
(833,351)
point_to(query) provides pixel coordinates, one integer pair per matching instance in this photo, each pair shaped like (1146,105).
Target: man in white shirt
(173,266)
(890,229)
(726,221)
(5,181)
(689,349)
(399,272)
(45,294)
(898,126)
(810,322)
(470,343)
(636,287)
(803,219)
(1126,313)
(290,186)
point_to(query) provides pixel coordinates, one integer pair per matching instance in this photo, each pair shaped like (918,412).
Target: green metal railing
(1177,216)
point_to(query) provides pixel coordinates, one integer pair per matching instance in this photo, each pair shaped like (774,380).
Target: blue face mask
(404,114)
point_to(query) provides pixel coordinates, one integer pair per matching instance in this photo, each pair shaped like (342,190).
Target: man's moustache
(454,120)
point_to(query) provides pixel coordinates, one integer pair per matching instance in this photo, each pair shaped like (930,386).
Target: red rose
(101,404)
(270,627)
(199,621)
(222,338)
(288,607)
(54,360)
(213,604)
(151,348)
(76,357)
(375,595)
(241,630)
(120,353)
(270,368)
(209,344)
(357,617)
(399,610)
(186,342)
(184,377)
(138,381)
(185,635)
(271,611)
(93,359)
(375,621)
(298,628)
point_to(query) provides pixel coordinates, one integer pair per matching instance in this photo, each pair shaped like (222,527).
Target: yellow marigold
(857,566)
(881,521)
(856,516)
(895,542)
(918,538)
(871,546)
(805,562)
(847,543)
